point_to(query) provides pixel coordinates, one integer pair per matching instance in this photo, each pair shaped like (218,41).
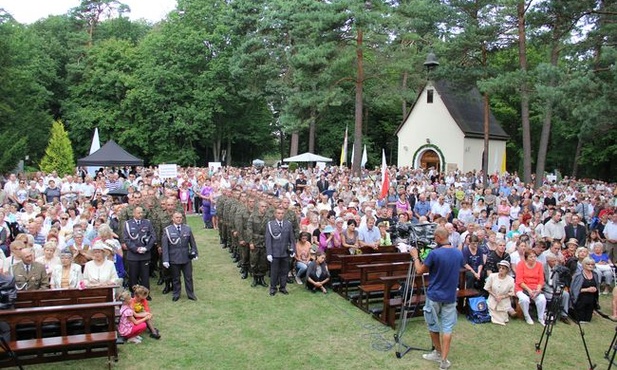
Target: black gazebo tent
(110,154)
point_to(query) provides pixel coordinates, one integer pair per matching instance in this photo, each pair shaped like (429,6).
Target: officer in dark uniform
(179,250)
(139,237)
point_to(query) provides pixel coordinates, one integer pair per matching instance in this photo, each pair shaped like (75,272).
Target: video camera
(423,236)
(564,277)
(400,232)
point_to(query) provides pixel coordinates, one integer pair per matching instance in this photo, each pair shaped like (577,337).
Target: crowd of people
(280,222)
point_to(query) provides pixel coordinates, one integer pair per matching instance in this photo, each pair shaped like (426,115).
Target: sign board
(168,171)
(214,166)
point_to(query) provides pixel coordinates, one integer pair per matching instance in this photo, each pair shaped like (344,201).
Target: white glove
(166,265)
(269,258)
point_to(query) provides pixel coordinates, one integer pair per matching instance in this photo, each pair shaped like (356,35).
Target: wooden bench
(59,297)
(61,333)
(350,271)
(380,249)
(333,258)
(370,280)
(392,305)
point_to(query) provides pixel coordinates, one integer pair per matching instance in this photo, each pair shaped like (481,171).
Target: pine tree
(59,153)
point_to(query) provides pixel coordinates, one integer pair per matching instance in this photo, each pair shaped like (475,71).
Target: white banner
(168,171)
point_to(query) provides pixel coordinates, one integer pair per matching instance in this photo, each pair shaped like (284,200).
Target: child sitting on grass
(130,327)
(141,308)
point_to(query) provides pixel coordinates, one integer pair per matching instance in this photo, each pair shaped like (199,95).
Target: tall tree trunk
(294,144)
(486,124)
(404,89)
(486,139)
(577,156)
(216,148)
(311,141)
(357,144)
(228,153)
(522,56)
(548,117)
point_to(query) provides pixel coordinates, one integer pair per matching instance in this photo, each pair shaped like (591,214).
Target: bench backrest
(380,249)
(350,263)
(372,273)
(60,316)
(59,297)
(333,254)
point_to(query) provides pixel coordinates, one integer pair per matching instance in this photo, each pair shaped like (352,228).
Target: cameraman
(555,274)
(443,265)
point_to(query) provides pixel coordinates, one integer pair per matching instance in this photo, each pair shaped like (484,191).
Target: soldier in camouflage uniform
(291,216)
(240,219)
(256,233)
(220,213)
(237,207)
(245,257)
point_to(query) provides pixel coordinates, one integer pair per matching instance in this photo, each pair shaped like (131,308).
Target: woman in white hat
(500,287)
(100,271)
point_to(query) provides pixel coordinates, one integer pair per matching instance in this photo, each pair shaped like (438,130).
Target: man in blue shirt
(422,207)
(443,265)
(369,235)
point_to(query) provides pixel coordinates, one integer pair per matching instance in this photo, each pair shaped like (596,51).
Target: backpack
(478,310)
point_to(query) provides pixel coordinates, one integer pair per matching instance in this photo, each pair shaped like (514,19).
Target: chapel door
(429,159)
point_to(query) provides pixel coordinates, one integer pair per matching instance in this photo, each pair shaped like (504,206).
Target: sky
(29,11)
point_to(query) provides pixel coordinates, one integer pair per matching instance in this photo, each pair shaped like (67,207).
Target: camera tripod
(610,352)
(407,307)
(552,314)
(421,236)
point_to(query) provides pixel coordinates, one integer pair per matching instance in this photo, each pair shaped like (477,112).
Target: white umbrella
(258,163)
(307,157)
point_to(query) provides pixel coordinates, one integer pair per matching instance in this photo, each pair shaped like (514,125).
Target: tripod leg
(5,346)
(580,328)
(411,277)
(611,346)
(614,349)
(548,329)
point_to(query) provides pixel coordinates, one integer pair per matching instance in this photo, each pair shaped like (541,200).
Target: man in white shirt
(11,188)
(441,209)
(554,229)
(610,233)
(70,189)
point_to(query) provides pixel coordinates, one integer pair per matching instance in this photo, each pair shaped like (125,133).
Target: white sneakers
(432,356)
(298,280)
(436,356)
(529,321)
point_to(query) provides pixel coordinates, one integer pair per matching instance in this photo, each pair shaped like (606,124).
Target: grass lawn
(234,326)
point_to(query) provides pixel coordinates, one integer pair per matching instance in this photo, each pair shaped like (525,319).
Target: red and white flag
(385,177)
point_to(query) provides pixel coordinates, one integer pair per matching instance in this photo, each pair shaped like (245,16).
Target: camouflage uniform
(220,213)
(256,233)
